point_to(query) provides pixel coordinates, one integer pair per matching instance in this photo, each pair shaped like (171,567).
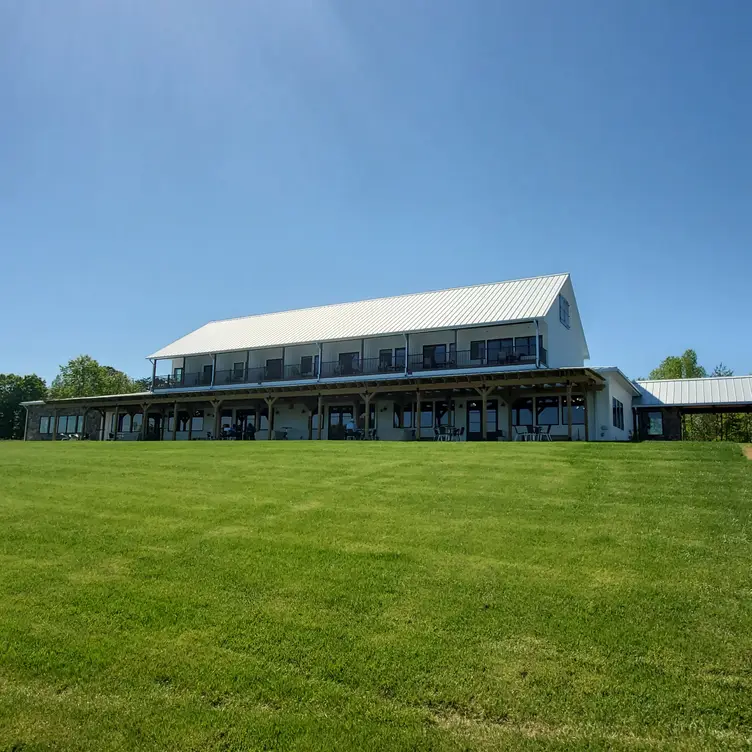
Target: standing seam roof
(443,309)
(715,390)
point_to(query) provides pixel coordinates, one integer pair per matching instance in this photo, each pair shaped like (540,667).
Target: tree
(84,377)
(683,366)
(13,391)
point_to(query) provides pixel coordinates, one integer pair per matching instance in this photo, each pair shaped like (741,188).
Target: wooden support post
(367,397)
(153,374)
(190,422)
(417,414)
(145,421)
(321,416)
(270,407)
(54,425)
(217,405)
(115,417)
(163,421)
(587,415)
(569,409)
(535,411)
(484,414)
(82,432)
(175,423)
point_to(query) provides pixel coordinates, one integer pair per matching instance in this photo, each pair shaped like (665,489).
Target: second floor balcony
(432,358)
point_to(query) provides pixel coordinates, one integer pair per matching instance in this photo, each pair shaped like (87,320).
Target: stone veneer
(92,421)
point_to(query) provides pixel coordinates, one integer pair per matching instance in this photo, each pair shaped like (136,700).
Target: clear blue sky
(165,163)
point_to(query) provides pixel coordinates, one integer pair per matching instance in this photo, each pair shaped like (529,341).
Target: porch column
(190,421)
(217,405)
(417,414)
(153,374)
(270,407)
(163,421)
(535,411)
(54,424)
(115,417)
(321,415)
(175,423)
(145,422)
(506,395)
(587,415)
(484,392)
(569,409)
(257,416)
(367,397)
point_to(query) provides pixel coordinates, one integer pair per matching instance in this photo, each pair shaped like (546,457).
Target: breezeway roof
(720,390)
(500,302)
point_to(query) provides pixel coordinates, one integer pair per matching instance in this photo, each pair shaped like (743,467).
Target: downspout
(214,371)
(537,344)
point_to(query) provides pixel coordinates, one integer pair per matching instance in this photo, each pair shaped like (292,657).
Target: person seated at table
(250,432)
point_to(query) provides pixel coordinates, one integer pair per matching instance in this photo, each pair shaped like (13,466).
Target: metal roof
(500,302)
(716,390)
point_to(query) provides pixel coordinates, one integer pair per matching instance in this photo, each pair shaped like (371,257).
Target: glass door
(339,417)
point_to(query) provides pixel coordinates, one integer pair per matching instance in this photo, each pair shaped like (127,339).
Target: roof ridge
(385,297)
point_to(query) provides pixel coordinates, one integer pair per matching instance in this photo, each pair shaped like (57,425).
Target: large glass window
(522,412)
(426,414)
(655,424)
(274,368)
(45,424)
(498,349)
(137,421)
(477,349)
(548,411)
(617,408)
(206,374)
(306,365)
(399,357)
(237,370)
(177,375)
(444,413)
(197,421)
(403,416)
(434,356)
(385,360)
(578,411)
(348,363)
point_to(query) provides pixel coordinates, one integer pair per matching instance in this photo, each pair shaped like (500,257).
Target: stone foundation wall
(92,422)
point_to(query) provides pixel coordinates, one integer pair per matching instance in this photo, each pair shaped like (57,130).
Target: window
(45,424)
(578,411)
(548,411)
(498,349)
(348,363)
(426,414)
(453,353)
(68,424)
(306,365)
(522,412)
(274,368)
(197,421)
(177,375)
(403,416)
(137,421)
(385,360)
(655,424)
(564,311)
(617,408)
(237,370)
(434,356)
(477,350)
(399,357)
(206,374)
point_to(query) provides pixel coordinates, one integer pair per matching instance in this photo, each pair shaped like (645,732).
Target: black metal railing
(354,367)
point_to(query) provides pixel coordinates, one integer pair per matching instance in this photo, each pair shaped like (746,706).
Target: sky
(164,163)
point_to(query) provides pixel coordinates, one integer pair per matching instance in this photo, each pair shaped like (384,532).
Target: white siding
(566,347)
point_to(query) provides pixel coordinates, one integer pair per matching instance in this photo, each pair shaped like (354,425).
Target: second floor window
(237,370)
(399,357)
(564,311)
(385,360)
(306,365)
(177,375)
(478,349)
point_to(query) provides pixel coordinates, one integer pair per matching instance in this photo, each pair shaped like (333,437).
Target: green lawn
(240,596)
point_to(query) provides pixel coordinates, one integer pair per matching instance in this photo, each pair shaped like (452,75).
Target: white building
(488,362)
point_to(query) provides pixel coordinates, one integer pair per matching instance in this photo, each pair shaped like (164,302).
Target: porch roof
(517,380)
(713,391)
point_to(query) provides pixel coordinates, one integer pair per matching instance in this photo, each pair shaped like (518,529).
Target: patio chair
(521,433)
(436,434)
(545,433)
(461,434)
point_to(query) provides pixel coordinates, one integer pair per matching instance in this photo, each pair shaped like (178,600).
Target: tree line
(80,377)
(726,427)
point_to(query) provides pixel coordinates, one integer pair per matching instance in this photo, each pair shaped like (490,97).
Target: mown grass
(242,596)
